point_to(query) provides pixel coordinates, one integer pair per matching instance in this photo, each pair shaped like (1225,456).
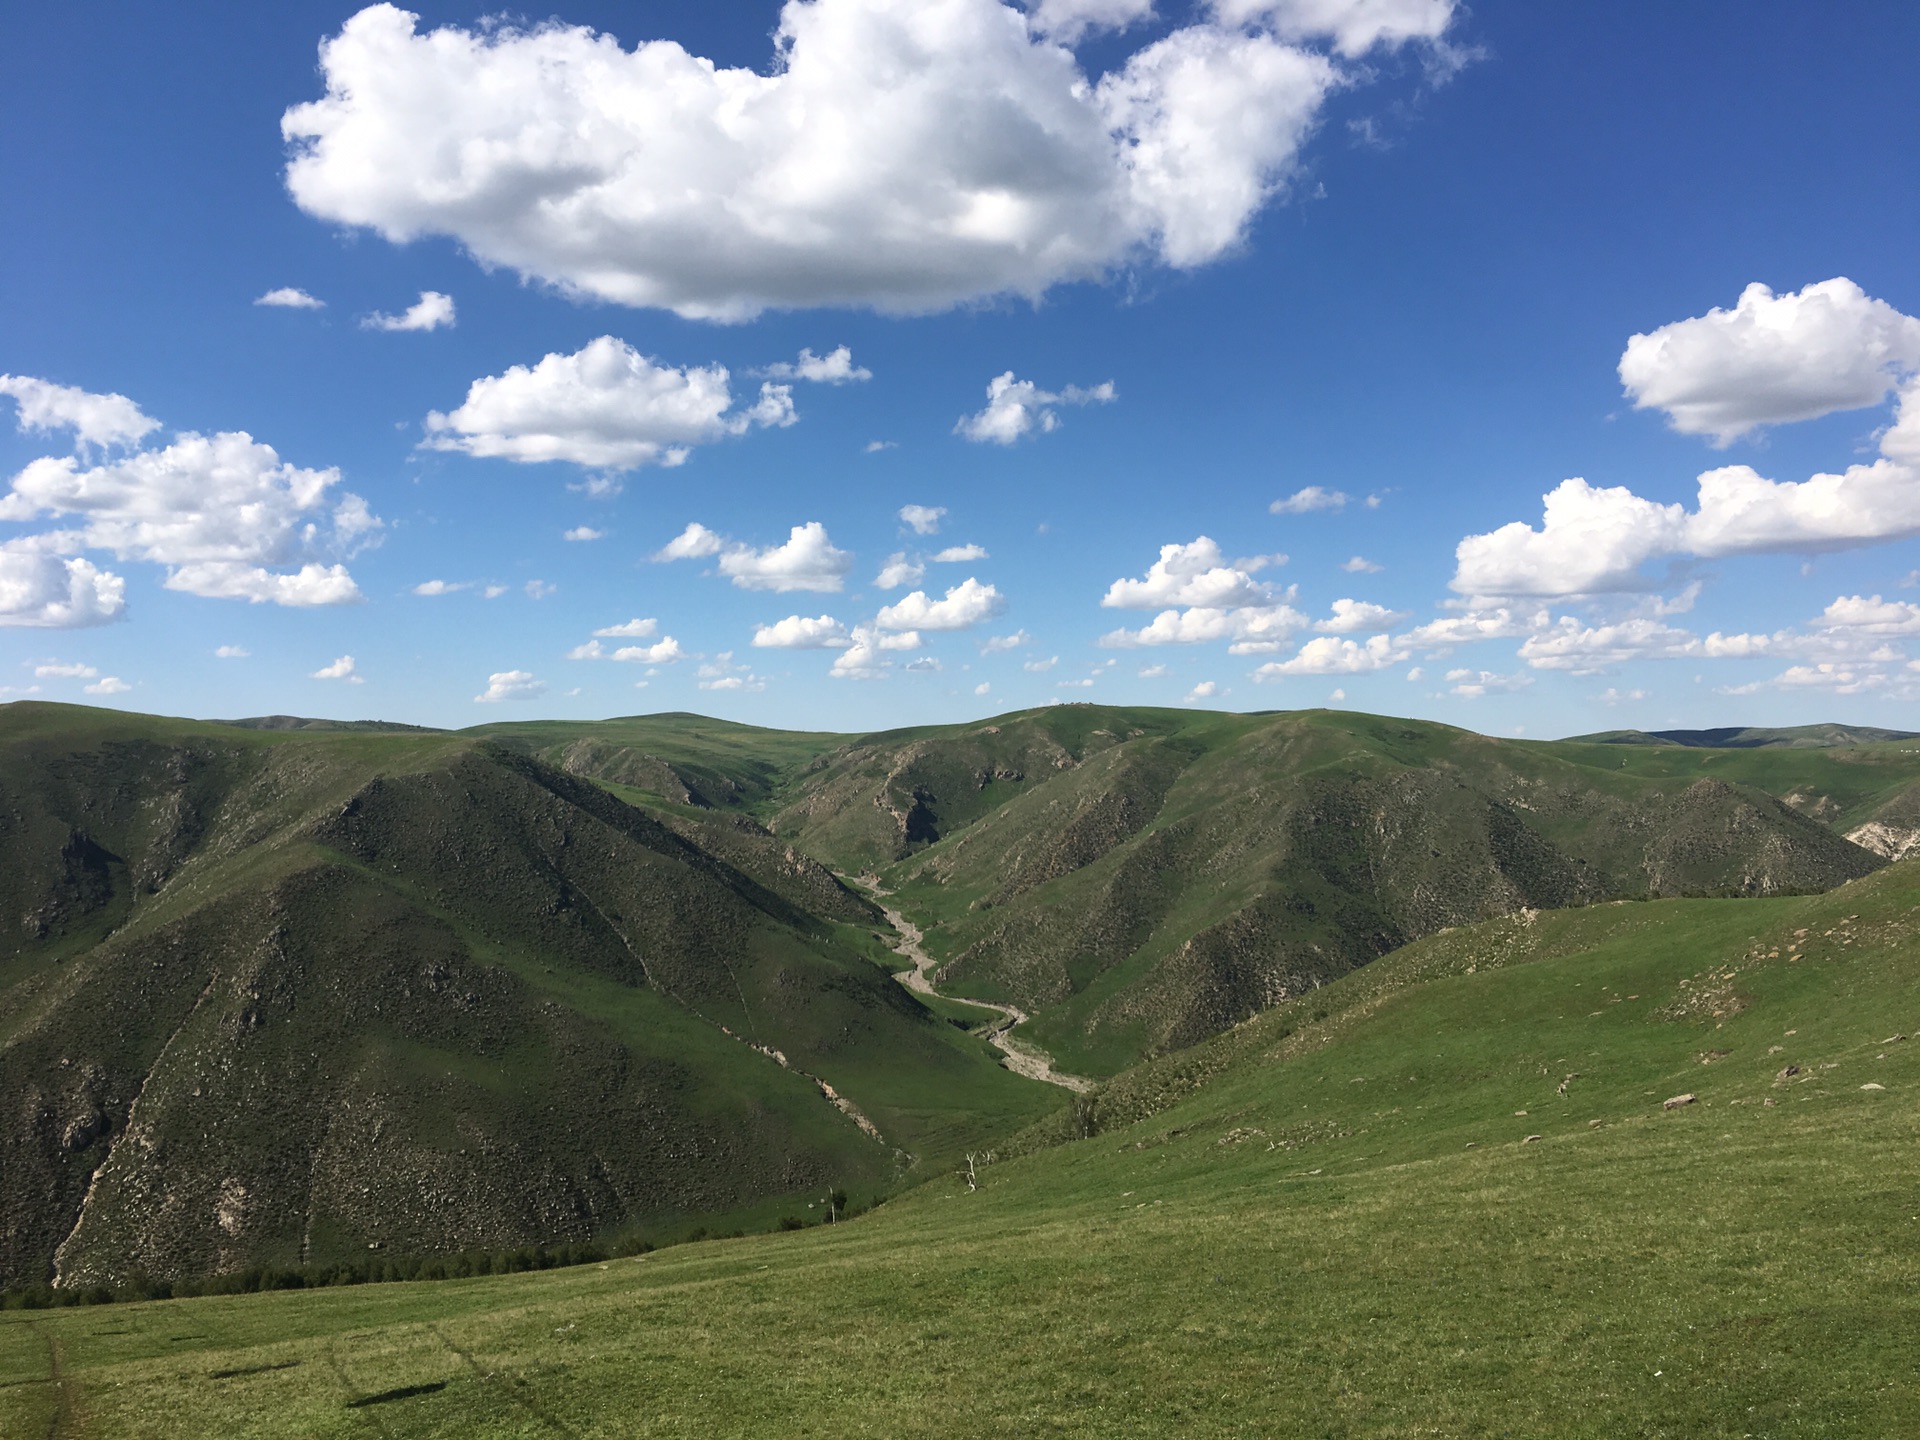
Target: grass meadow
(1329,1222)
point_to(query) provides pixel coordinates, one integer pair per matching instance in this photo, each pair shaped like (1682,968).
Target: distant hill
(298,722)
(1737,737)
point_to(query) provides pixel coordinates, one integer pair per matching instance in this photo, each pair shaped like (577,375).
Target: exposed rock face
(1891,842)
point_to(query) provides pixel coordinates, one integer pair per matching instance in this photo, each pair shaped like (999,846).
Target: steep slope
(1140,880)
(277,997)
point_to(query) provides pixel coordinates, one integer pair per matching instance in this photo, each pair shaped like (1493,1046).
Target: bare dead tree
(973,1182)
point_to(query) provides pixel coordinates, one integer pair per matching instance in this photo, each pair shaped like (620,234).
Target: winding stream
(1022,1058)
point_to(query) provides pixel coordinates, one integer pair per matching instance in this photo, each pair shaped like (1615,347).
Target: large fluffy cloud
(807,561)
(907,157)
(223,513)
(1326,655)
(1207,597)
(967,603)
(94,419)
(1193,574)
(1594,540)
(606,405)
(802,632)
(511,685)
(1355,617)
(1772,359)
(50,592)
(866,657)
(1253,629)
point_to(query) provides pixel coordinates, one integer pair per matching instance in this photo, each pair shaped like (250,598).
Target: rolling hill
(278,993)
(1629,1169)
(1139,879)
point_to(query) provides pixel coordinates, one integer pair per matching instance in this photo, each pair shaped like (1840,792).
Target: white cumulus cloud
(960,554)
(606,405)
(696,542)
(50,592)
(664,651)
(1772,359)
(341,669)
(233,652)
(807,561)
(1019,407)
(223,512)
(107,685)
(1328,655)
(922,519)
(1352,617)
(836,367)
(1307,500)
(583,532)
(638,628)
(907,157)
(967,603)
(511,685)
(98,420)
(1193,574)
(287,297)
(866,657)
(432,311)
(799,632)
(898,571)
(1589,649)
(1253,629)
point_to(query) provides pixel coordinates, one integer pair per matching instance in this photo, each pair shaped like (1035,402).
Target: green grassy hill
(1444,1195)
(280,997)
(1141,879)
(276,994)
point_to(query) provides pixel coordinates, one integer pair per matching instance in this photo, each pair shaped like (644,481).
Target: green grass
(1327,1222)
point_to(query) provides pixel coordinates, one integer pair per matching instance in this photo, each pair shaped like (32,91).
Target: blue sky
(1395,251)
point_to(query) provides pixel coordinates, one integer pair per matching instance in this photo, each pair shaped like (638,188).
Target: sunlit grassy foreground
(1341,1229)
